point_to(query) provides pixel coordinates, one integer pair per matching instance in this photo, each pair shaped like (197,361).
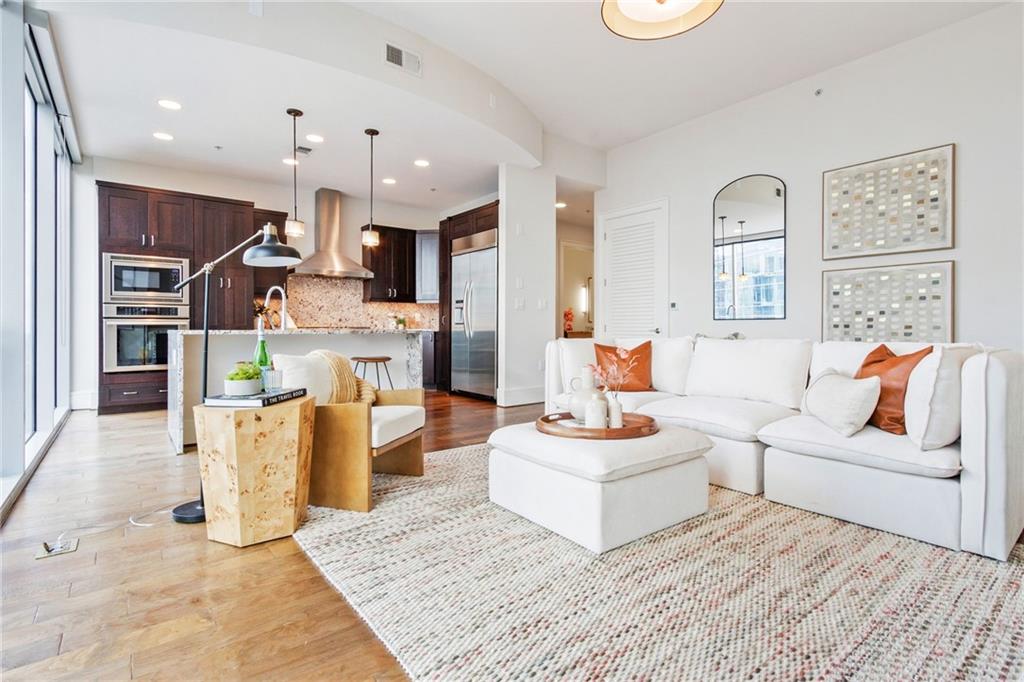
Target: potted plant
(244,379)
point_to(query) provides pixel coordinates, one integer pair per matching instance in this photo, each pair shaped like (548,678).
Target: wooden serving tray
(633,426)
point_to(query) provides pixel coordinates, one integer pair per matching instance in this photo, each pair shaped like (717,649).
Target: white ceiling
(589,85)
(235,95)
(579,201)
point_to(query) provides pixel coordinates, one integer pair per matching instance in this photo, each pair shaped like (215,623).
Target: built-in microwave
(144,280)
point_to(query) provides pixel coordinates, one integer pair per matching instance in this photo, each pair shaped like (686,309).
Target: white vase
(597,412)
(614,413)
(582,396)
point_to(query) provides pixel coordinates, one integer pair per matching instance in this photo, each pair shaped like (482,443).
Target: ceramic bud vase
(614,412)
(581,396)
(597,412)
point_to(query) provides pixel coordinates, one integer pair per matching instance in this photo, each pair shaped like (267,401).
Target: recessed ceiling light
(389,181)
(166,137)
(169,104)
(644,20)
(312,137)
(290,162)
(422,163)
(560,204)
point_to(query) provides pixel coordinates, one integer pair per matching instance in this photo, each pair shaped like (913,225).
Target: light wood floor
(162,602)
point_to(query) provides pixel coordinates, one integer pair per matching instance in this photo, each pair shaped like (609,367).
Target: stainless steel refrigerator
(475,313)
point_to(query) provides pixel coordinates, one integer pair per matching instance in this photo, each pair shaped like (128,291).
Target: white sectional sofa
(745,395)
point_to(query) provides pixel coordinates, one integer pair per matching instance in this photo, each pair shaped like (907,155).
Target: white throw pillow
(573,356)
(312,373)
(771,370)
(841,403)
(932,402)
(670,361)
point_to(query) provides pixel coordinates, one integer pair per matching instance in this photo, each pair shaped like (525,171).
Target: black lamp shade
(271,253)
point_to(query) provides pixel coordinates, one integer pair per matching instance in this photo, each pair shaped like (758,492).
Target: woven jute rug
(460,589)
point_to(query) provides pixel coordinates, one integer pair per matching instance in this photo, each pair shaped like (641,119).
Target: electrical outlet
(66,547)
(519,303)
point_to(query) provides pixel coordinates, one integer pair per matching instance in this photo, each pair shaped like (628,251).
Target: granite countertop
(332,331)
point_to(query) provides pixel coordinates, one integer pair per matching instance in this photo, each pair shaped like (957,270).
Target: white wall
(960,84)
(526,280)
(85,238)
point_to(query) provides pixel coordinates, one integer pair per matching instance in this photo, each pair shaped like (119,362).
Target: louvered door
(634,300)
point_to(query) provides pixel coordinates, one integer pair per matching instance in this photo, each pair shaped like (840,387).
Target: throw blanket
(346,387)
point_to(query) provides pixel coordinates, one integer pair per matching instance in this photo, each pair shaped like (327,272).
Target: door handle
(465,310)
(656,330)
(469,308)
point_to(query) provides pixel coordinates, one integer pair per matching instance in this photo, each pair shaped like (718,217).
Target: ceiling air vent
(305,151)
(405,60)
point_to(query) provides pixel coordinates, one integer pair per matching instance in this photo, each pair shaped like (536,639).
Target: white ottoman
(600,493)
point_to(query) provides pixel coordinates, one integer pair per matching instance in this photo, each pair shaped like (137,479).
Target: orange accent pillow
(894,371)
(638,377)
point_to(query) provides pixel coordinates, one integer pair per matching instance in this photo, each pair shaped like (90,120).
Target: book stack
(262,399)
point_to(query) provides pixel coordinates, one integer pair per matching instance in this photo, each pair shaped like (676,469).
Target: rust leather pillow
(894,371)
(638,378)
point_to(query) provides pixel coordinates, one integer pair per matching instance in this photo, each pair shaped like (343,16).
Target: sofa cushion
(732,418)
(601,460)
(625,369)
(932,403)
(870,447)
(573,356)
(770,370)
(631,401)
(894,371)
(391,422)
(311,372)
(670,361)
(844,404)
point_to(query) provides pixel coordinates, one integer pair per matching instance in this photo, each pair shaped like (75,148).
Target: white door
(634,271)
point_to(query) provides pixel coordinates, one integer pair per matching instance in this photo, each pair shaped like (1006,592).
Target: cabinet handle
(143,240)
(163,390)
(229,282)
(129,392)
(221,282)
(152,240)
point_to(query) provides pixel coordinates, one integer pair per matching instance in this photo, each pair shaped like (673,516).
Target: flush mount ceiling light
(388,181)
(169,104)
(422,163)
(560,204)
(312,137)
(166,137)
(293,227)
(655,19)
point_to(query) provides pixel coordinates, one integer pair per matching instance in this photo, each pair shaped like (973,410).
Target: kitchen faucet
(284,305)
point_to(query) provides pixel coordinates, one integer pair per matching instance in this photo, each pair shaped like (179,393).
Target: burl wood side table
(255,465)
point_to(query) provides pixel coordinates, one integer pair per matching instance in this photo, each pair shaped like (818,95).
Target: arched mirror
(750,249)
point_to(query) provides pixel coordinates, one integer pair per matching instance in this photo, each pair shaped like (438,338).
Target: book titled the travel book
(263,399)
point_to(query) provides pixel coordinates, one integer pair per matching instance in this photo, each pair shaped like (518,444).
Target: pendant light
(655,19)
(371,237)
(293,227)
(723,275)
(743,276)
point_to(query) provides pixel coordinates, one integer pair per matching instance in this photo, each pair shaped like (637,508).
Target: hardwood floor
(162,602)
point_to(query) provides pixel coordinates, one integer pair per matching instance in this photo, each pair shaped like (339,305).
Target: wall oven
(143,280)
(137,344)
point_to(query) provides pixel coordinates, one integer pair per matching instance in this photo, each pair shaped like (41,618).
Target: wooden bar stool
(377,361)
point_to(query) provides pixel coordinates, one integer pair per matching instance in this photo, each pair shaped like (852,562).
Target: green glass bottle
(261,358)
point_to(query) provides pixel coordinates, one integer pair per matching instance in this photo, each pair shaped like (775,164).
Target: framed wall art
(897,204)
(912,302)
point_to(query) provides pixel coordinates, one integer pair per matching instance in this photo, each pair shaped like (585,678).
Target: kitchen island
(229,346)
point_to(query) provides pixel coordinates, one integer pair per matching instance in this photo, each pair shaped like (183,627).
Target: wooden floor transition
(162,602)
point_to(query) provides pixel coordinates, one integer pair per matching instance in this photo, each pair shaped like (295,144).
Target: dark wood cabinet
(264,278)
(219,226)
(393,263)
(479,219)
(427,342)
(170,223)
(123,219)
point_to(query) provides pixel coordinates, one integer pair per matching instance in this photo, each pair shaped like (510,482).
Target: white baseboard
(509,397)
(84,400)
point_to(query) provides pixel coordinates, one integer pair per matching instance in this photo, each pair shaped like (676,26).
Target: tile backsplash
(333,302)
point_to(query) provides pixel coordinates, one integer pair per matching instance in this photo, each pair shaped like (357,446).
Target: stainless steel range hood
(327,259)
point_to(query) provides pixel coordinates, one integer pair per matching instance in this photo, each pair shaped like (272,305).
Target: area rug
(460,589)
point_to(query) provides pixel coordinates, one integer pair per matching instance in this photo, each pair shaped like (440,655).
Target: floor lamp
(270,253)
